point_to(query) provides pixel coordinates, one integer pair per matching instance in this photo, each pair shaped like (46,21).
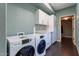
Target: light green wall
(20,18)
(77,27)
(2,30)
(64,12)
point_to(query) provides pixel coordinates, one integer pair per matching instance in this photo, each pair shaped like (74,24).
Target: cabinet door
(51,23)
(47,19)
(41,17)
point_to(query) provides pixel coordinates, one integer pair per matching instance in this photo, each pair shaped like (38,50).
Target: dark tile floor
(63,48)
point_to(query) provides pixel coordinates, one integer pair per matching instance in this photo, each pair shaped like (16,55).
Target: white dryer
(40,45)
(20,46)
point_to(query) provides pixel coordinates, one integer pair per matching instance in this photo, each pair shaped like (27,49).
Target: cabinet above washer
(42,17)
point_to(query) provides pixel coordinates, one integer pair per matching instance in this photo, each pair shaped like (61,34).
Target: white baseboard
(68,36)
(74,42)
(78,51)
(59,39)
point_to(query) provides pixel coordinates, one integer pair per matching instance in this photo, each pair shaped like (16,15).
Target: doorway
(67,27)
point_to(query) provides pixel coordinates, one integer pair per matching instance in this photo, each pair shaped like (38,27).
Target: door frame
(73,28)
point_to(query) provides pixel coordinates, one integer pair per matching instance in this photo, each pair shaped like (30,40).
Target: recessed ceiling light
(66,18)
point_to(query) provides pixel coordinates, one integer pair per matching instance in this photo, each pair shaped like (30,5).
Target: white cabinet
(42,17)
(51,23)
(45,19)
(48,40)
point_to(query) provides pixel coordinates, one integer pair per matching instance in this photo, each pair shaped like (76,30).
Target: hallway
(65,48)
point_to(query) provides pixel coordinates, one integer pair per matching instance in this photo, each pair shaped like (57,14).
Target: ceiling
(59,6)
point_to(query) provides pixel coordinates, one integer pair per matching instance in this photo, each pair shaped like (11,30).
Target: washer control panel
(26,41)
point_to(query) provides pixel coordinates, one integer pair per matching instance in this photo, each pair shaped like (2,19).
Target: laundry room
(36,29)
(30,29)
(39,29)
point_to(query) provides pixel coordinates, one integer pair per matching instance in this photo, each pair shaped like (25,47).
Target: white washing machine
(20,46)
(48,40)
(40,44)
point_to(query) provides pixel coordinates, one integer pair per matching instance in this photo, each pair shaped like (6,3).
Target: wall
(64,12)
(77,27)
(2,30)
(20,18)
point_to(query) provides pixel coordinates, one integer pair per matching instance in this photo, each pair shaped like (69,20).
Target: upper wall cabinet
(42,17)
(51,23)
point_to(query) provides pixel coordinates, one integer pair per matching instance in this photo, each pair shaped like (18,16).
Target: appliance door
(26,51)
(41,47)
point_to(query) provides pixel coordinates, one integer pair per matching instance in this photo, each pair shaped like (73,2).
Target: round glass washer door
(41,46)
(26,51)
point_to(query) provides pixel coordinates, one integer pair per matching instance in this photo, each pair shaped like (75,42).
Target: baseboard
(68,36)
(74,42)
(78,51)
(59,40)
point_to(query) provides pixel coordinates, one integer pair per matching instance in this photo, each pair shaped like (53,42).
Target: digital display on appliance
(25,41)
(20,34)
